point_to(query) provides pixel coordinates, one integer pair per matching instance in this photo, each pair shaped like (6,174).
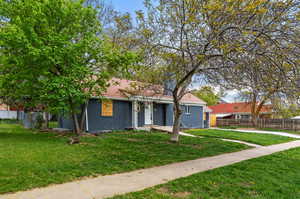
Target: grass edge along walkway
(264,139)
(108,186)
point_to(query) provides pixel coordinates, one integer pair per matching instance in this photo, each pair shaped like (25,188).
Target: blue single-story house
(125,106)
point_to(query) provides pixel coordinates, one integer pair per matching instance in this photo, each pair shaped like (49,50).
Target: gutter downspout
(86,120)
(203,112)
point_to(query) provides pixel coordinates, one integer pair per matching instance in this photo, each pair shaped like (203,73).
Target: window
(107,108)
(187,110)
(244,116)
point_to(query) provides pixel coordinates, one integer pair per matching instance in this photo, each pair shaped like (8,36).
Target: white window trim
(187,110)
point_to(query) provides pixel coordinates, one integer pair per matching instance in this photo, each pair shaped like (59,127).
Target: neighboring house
(130,105)
(240,110)
(207,117)
(7,112)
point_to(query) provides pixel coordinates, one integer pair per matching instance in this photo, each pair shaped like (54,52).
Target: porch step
(169,129)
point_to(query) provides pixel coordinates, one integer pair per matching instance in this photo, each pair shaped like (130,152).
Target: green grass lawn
(261,139)
(31,159)
(275,176)
(53,124)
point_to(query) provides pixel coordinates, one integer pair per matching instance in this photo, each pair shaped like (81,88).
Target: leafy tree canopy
(207,94)
(54,55)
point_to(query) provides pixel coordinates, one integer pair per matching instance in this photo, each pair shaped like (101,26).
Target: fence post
(293,125)
(261,123)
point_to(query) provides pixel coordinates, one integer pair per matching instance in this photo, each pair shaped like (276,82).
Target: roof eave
(151,99)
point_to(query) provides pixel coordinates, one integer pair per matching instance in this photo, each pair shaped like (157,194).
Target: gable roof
(239,107)
(125,89)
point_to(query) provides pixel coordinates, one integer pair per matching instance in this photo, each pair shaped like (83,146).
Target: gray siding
(122,116)
(30,119)
(159,114)
(65,122)
(121,119)
(194,119)
(169,114)
(141,115)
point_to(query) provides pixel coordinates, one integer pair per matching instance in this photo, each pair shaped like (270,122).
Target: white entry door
(148,113)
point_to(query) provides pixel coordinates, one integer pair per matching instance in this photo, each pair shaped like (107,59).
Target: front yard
(275,176)
(261,139)
(31,159)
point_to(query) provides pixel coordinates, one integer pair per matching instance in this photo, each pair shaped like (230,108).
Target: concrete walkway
(263,132)
(108,186)
(242,142)
(169,130)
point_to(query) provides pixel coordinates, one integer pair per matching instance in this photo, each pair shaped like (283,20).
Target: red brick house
(239,110)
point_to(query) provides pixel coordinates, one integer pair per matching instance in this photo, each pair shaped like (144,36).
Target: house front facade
(125,107)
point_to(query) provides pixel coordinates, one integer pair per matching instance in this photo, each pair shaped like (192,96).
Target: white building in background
(7,113)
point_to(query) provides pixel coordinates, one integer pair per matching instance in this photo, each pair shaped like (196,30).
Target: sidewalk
(262,132)
(169,130)
(107,186)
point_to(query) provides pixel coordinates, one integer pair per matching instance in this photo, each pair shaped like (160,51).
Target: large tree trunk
(46,120)
(76,124)
(255,111)
(176,124)
(77,129)
(254,118)
(83,116)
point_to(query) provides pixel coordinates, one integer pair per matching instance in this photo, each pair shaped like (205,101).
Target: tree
(182,38)
(285,106)
(270,69)
(207,94)
(259,83)
(56,55)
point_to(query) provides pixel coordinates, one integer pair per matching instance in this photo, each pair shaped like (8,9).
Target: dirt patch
(163,190)
(133,140)
(166,191)
(182,194)
(197,146)
(246,184)
(194,146)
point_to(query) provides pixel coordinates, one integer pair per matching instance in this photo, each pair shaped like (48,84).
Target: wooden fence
(284,124)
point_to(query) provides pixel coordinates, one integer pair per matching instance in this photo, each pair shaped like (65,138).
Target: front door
(148,114)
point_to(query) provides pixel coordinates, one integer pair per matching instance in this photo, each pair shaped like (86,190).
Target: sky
(131,6)
(127,5)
